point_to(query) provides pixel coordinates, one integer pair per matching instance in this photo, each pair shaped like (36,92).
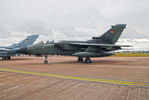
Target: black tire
(88,60)
(9,58)
(80,59)
(46,62)
(5,58)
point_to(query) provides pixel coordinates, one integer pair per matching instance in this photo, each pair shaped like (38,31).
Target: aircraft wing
(4,49)
(99,45)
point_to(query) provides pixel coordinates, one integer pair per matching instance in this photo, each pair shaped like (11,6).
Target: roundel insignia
(112,31)
(27,39)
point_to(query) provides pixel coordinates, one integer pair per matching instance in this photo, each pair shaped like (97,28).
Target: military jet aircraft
(7,52)
(96,47)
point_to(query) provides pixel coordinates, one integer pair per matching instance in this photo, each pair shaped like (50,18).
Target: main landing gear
(9,58)
(6,58)
(80,59)
(46,61)
(87,60)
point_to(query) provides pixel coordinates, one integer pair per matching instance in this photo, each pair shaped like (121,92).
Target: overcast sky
(71,19)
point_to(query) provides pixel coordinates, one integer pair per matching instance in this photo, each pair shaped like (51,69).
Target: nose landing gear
(46,61)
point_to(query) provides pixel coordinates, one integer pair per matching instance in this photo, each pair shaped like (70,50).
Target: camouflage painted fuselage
(96,47)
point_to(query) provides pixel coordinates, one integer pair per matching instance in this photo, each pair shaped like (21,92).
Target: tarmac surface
(108,78)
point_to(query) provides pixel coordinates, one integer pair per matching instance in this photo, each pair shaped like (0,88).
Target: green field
(132,54)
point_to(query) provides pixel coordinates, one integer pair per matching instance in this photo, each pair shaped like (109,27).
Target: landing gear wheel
(4,58)
(88,60)
(46,62)
(9,58)
(80,59)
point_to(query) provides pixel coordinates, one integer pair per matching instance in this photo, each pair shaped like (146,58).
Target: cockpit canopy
(47,42)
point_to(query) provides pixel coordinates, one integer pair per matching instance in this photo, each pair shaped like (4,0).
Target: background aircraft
(7,52)
(96,47)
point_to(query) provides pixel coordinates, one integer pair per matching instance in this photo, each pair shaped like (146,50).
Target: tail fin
(26,42)
(112,35)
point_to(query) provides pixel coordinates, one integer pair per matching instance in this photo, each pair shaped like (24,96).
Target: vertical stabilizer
(29,40)
(26,42)
(113,34)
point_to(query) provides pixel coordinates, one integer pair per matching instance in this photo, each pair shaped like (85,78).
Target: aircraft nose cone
(22,50)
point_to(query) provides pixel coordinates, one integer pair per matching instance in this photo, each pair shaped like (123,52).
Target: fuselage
(96,47)
(64,48)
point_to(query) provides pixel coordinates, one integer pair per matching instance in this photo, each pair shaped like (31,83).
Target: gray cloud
(71,19)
